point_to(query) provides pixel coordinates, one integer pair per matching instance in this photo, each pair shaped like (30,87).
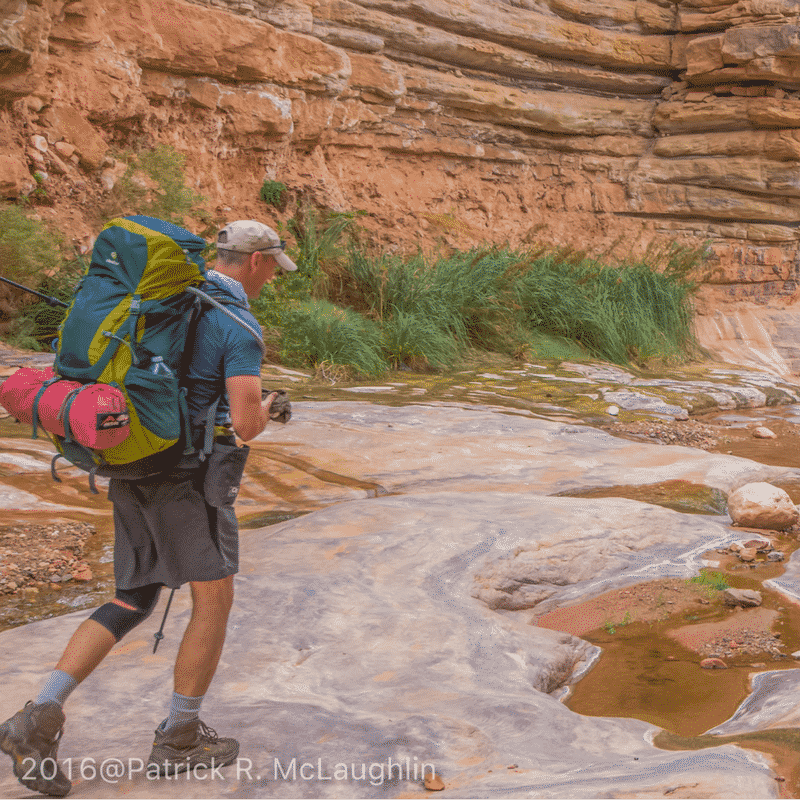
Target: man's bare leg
(182,741)
(31,736)
(201,646)
(89,645)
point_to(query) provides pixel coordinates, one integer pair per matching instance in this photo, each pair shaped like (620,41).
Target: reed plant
(319,249)
(317,332)
(417,342)
(554,303)
(630,312)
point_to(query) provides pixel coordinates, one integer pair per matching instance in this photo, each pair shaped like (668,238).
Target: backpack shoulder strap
(220,304)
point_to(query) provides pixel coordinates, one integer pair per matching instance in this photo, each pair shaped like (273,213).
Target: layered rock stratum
(610,126)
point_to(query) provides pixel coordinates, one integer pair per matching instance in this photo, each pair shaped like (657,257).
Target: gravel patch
(689,433)
(43,555)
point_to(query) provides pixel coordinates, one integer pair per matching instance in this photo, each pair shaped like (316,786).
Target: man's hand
(277,405)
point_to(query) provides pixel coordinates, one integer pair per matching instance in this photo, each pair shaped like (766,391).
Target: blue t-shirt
(222,349)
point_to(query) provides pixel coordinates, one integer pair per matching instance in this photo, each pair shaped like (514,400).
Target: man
(167,534)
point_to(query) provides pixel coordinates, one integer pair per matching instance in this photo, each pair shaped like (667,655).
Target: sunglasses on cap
(281,246)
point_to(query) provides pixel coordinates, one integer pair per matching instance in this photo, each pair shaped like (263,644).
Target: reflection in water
(738,439)
(647,674)
(679,495)
(644,674)
(265,519)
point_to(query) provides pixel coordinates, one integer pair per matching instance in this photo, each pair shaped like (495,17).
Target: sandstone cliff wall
(601,124)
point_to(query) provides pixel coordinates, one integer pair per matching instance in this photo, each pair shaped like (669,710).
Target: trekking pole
(51,301)
(159,634)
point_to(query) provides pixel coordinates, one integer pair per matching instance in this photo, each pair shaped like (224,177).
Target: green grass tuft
(711,580)
(416,343)
(28,248)
(30,254)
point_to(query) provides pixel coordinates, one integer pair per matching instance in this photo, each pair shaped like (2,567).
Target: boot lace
(207,733)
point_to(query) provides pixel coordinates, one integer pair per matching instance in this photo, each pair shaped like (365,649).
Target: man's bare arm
(249,413)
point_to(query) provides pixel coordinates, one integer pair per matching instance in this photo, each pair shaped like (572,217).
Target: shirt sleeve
(242,354)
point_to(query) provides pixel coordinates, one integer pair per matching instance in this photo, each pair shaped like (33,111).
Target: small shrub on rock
(273,192)
(30,254)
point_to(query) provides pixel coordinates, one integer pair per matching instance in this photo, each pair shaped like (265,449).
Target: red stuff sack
(93,414)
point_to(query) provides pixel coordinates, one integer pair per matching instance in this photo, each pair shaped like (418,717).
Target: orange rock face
(609,127)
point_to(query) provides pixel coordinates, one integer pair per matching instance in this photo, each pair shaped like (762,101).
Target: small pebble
(763,433)
(433,783)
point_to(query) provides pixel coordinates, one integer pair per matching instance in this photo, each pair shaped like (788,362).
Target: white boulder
(762,505)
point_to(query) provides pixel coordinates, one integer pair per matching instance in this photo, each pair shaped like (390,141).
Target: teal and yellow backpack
(130,325)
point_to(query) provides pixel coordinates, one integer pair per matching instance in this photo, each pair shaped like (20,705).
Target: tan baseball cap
(249,236)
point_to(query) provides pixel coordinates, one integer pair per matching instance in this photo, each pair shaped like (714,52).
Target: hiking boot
(188,746)
(31,737)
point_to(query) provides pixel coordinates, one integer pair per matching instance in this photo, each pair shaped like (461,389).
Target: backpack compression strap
(42,389)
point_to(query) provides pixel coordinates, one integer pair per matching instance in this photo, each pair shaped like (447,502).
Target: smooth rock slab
(447,446)
(772,703)
(639,401)
(355,639)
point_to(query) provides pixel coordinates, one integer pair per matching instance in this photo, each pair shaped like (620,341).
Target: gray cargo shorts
(165,532)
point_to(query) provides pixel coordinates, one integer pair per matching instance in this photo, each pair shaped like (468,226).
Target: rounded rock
(744,598)
(762,505)
(763,433)
(40,143)
(64,148)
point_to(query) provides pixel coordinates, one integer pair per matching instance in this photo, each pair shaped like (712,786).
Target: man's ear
(253,263)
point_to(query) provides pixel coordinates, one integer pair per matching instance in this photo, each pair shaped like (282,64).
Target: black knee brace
(119,620)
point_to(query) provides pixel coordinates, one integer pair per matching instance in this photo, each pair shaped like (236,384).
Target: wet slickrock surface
(387,614)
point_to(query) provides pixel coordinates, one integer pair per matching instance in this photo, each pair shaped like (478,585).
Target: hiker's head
(251,253)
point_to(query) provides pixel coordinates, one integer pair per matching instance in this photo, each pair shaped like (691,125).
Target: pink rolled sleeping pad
(98,415)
